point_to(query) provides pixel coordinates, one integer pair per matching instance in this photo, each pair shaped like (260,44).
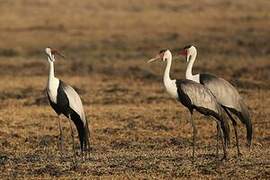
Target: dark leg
(72,136)
(87,140)
(194,130)
(60,137)
(236,137)
(223,141)
(187,120)
(235,130)
(217,141)
(88,149)
(82,151)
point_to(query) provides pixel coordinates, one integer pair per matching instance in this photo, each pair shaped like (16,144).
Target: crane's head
(51,54)
(163,55)
(188,52)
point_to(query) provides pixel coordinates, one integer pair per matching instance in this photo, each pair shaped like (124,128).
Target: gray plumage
(195,96)
(199,96)
(229,98)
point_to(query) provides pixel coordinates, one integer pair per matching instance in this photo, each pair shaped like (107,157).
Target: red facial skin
(183,52)
(161,55)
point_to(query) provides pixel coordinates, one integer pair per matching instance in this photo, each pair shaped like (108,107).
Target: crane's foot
(88,152)
(249,146)
(82,156)
(239,154)
(85,154)
(192,160)
(223,158)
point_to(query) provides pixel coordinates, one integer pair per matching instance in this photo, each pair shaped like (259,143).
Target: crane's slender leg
(187,120)
(223,141)
(236,137)
(86,145)
(87,140)
(235,131)
(88,149)
(217,141)
(72,136)
(60,137)
(194,136)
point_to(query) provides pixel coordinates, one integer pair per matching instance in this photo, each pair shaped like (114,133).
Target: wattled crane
(65,100)
(193,96)
(225,93)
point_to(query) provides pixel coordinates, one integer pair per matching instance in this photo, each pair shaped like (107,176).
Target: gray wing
(225,93)
(199,95)
(74,101)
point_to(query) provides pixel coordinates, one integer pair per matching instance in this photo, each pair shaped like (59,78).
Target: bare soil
(137,130)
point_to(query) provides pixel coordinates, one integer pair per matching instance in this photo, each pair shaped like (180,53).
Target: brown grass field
(137,130)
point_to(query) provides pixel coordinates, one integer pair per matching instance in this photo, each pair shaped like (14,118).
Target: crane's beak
(55,51)
(182,52)
(154,59)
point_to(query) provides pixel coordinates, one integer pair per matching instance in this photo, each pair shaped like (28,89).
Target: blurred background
(107,44)
(108,32)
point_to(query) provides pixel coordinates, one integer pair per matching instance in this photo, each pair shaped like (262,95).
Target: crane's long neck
(53,83)
(191,61)
(166,76)
(51,69)
(51,72)
(169,84)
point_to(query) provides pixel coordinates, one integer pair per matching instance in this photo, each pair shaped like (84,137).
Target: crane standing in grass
(225,93)
(194,96)
(65,100)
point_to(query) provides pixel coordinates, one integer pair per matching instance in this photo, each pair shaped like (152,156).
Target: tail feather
(83,131)
(244,116)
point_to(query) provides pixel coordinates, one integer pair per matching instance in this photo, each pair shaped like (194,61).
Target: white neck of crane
(189,74)
(53,83)
(166,76)
(51,70)
(169,84)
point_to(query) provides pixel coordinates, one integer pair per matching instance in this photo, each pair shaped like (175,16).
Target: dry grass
(137,130)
